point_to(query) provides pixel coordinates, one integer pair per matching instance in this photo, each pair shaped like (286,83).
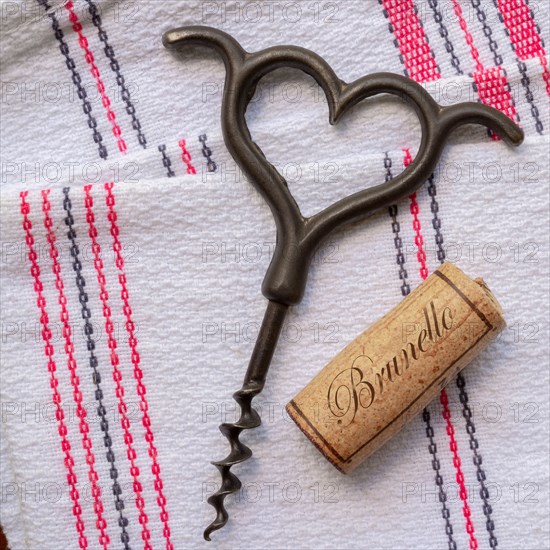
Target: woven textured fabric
(133,251)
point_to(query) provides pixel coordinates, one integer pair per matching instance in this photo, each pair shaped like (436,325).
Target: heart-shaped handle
(298,236)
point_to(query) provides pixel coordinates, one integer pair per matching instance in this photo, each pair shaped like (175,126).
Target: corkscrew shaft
(268,336)
(253,384)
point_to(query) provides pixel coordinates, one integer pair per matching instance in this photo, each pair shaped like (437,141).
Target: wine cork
(390,372)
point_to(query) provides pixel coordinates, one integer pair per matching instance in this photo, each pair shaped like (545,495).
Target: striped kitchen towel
(133,250)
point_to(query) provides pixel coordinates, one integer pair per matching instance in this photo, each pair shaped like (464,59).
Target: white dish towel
(133,254)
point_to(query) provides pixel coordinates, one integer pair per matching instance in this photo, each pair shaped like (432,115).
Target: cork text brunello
(358,386)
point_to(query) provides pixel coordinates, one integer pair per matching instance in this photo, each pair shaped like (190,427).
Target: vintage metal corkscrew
(286,277)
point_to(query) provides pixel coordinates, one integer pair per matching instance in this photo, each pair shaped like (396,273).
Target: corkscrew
(298,236)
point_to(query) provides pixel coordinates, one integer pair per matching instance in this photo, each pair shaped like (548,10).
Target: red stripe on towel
(491,84)
(52,369)
(524,34)
(416,53)
(186,157)
(136,361)
(493,90)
